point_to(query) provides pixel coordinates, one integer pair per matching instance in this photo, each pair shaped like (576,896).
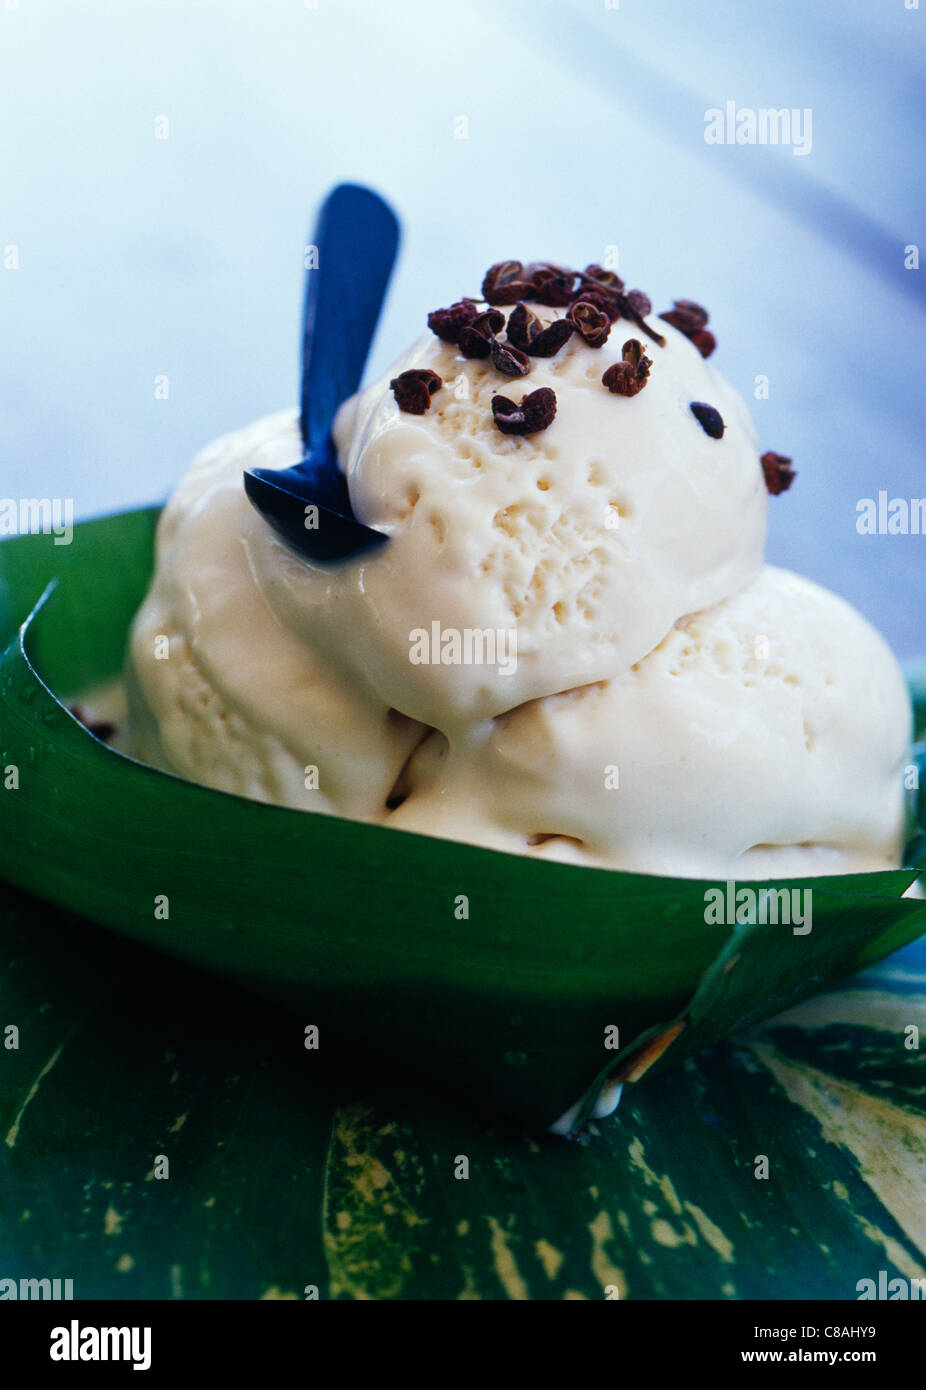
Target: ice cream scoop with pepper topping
(576,504)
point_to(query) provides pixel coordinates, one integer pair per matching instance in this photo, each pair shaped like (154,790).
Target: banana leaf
(786,1163)
(354,926)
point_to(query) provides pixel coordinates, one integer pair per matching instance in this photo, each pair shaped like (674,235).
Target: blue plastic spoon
(357,236)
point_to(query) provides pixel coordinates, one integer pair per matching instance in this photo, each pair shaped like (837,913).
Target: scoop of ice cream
(567,648)
(219,690)
(576,547)
(763,737)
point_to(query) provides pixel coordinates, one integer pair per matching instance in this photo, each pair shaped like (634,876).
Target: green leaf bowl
(515,1008)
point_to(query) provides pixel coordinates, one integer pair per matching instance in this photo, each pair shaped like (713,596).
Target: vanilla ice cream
(569,646)
(778,708)
(587,540)
(220,690)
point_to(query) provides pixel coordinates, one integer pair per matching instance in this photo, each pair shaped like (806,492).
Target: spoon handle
(357,237)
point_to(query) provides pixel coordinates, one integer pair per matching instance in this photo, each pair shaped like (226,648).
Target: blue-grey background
(141,256)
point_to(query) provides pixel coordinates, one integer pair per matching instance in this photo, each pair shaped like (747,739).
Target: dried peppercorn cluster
(594,299)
